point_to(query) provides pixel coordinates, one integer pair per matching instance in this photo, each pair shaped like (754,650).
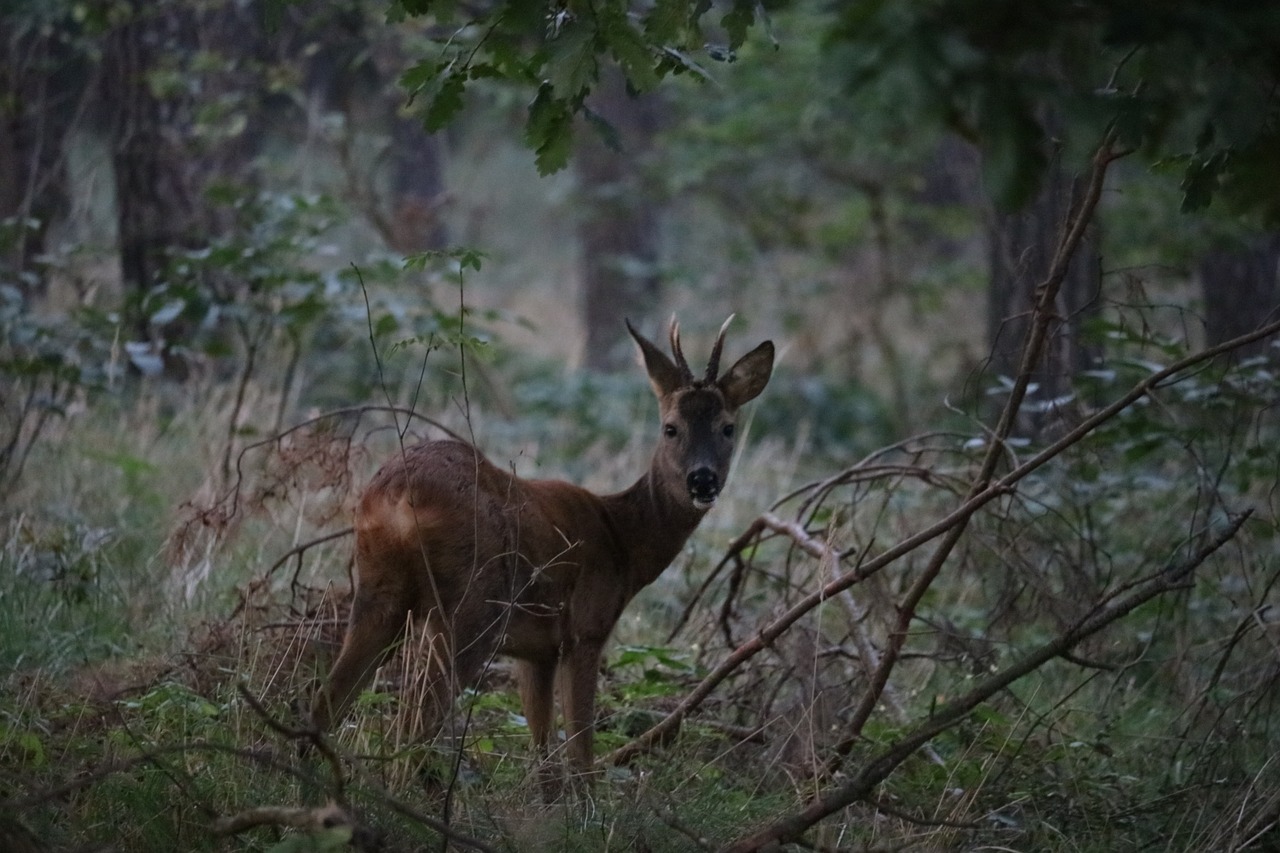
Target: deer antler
(685,373)
(713,366)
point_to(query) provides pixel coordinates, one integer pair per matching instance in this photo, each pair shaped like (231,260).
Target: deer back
(450,530)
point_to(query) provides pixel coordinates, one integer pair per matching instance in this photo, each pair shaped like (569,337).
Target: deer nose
(704,486)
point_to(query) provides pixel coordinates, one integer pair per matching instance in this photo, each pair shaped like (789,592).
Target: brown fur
(536,569)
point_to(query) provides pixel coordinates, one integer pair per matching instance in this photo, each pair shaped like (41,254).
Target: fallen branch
(878,768)
(326,817)
(1032,353)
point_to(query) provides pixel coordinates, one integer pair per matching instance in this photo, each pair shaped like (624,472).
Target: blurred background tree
(813,127)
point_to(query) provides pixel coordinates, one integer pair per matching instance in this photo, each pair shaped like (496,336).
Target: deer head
(699,414)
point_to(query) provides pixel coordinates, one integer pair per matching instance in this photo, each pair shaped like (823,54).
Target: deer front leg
(537,697)
(579,673)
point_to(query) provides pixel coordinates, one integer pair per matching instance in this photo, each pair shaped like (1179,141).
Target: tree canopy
(1188,83)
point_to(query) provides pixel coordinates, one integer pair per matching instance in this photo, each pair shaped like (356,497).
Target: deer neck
(651,527)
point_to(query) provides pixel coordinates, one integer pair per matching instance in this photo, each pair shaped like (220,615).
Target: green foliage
(583,409)
(549,131)
(256,276)
(647,672)
(557,52)
(46,363)
(1183,81)
(840,416)
(323,841)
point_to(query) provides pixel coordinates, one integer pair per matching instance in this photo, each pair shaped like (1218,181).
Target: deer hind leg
(433,686)
(454,653)
(376,622)
(537,697)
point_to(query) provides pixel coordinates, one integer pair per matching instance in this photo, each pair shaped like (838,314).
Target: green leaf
(1251,180)
(666,21)
(385,325)
(608,133)
(32,748)
(421,75)
(572,65)
(464,256)
(1200,181)
(469,258)
(442,85)
(738,21)
(549,131)
(632,52)
(328,840)
(447,102)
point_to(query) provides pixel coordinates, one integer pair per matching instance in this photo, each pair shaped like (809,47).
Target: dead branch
(878,768)
(296,551)
(328,816)
(307,735)
(1032,352)
(862,471)
(232,493)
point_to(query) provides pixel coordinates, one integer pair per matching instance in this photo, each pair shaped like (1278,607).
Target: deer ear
(748,376)
(664,376)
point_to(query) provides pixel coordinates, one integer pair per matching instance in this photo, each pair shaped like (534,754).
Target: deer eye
(728,430)
(670,431)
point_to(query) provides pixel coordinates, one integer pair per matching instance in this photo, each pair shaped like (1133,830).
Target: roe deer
(536,569)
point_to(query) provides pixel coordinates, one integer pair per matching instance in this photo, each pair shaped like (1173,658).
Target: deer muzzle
(704,487)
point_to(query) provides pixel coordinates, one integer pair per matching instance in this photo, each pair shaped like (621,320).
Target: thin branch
(878,768)
(232,493)
(301,548)
(308,735)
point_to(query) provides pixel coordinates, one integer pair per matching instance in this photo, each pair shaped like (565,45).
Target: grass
(134,612)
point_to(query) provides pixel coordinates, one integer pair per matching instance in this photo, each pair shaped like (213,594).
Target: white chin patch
(700,503)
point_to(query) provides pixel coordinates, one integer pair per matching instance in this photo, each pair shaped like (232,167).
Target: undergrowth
(160,635)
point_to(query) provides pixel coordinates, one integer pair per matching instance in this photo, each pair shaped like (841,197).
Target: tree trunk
(417,185)
(154,204)
(40,87)
(1240,292)
(618,228)
(1021,251)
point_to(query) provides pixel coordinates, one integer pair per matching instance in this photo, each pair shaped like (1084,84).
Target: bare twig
(878,768)
(231,495)
(301,548)
(1032,352)
(307,735)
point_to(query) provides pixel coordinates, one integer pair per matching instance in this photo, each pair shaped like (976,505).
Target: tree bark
(41,84)
(417,186)
(155,208)
(1021,253)
(618,229)
(1241,292)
